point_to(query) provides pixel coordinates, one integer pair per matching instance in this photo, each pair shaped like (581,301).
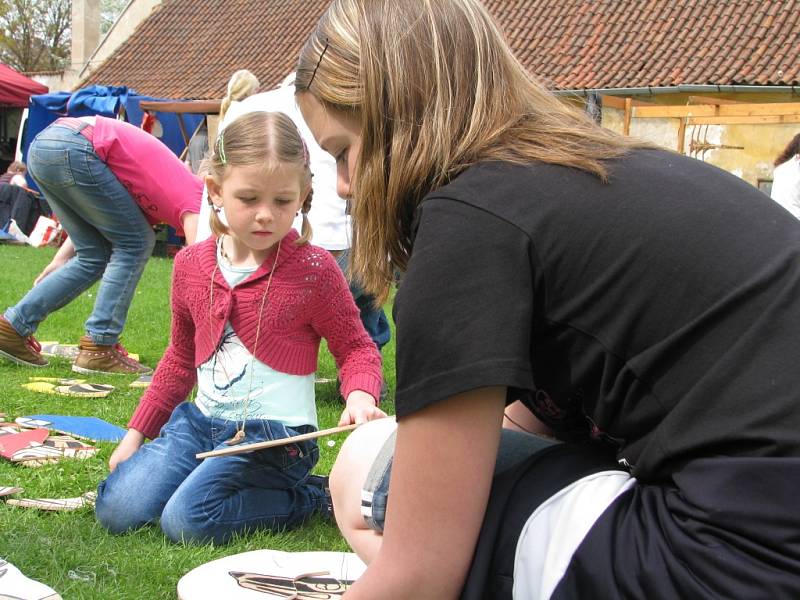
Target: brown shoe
(95,358)
(18,349)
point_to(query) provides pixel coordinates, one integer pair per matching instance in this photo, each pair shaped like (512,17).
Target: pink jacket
(308,299)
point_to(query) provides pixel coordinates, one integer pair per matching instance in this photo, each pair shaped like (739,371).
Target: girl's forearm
(441,475)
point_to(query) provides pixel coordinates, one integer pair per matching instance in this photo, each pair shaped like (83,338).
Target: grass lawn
(69,551)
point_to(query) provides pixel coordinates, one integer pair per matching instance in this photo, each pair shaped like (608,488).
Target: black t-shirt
(658,314)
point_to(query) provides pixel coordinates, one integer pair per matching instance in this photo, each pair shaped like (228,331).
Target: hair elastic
(306,159)
(221,149)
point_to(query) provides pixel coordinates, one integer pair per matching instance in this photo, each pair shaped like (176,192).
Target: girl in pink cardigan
(249,307)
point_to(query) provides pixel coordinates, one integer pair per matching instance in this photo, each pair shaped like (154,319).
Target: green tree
(109,11)
(34,34)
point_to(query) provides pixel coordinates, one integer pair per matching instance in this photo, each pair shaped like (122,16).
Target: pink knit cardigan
(308,299)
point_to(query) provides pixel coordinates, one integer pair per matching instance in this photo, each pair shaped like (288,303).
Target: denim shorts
(514,447)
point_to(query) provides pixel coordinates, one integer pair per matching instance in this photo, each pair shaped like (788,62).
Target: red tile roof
(189,48)
(590,44)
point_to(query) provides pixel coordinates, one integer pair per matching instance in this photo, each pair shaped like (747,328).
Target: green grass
(69,551)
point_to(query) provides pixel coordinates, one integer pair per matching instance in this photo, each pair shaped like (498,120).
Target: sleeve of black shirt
(464,308)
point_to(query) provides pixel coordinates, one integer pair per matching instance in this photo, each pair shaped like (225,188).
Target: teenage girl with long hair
(249,308)
(642,304)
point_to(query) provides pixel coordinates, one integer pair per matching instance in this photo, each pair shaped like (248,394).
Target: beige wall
(762,143)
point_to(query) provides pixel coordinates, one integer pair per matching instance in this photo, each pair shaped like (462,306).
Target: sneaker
(97,358)
(18,349)
(321,481)
(16,585)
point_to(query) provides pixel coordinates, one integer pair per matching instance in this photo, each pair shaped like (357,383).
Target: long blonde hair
(436,90)
(260,138)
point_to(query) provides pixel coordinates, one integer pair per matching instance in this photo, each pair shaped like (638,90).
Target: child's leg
(50,162)
(360,479)
(354,462)
(108,207)
(135,493)
(234,494)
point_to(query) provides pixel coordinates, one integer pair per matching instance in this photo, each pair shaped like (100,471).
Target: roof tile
(189,48)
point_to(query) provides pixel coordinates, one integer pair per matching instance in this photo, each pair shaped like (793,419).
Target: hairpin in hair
(319,60)
(221,149)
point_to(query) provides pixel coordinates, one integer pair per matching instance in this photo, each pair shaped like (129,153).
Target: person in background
(643,305)
(786,177)
(108,182)
(15,174)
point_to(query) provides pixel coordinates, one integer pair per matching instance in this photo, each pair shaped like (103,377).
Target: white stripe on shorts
(557,527)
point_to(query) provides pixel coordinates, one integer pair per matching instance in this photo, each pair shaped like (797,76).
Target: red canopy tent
(16,89)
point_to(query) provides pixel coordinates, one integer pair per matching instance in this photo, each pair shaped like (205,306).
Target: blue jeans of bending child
(212,499)
(112,238)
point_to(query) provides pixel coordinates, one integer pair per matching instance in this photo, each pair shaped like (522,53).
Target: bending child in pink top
(249,308)
(108,182)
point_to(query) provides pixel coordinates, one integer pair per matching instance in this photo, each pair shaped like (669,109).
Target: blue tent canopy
(106,101)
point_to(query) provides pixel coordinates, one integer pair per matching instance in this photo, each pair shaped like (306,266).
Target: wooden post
(681,134)
(626,124)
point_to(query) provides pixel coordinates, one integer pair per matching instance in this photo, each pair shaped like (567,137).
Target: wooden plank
(758,120)
(626,123)
(618,102)
(674,112)
(244,448)
(712,100)
(726,110)
(681,135)
(186,147)
(182,127)
(182,106)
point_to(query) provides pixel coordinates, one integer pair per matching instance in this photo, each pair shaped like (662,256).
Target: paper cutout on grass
(9,491)
(69,351)
(59,350)
(312,586)
(89,428)
(271,574)
(82,390)
(55,504)
(30,448)
(14,442)
(58,380)
(69,447)
(143,381)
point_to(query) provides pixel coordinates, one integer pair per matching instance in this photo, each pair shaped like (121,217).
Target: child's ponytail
(305,231)
(241,85)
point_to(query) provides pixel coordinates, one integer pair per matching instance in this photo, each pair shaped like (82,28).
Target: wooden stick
(244,448)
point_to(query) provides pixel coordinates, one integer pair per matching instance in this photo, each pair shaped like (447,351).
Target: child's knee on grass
(350,470)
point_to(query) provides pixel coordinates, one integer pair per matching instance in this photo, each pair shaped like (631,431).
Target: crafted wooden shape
(244,448)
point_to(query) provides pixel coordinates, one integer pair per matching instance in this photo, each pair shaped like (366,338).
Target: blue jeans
(515,447)
(374,319)
(112,238)
(210,500)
